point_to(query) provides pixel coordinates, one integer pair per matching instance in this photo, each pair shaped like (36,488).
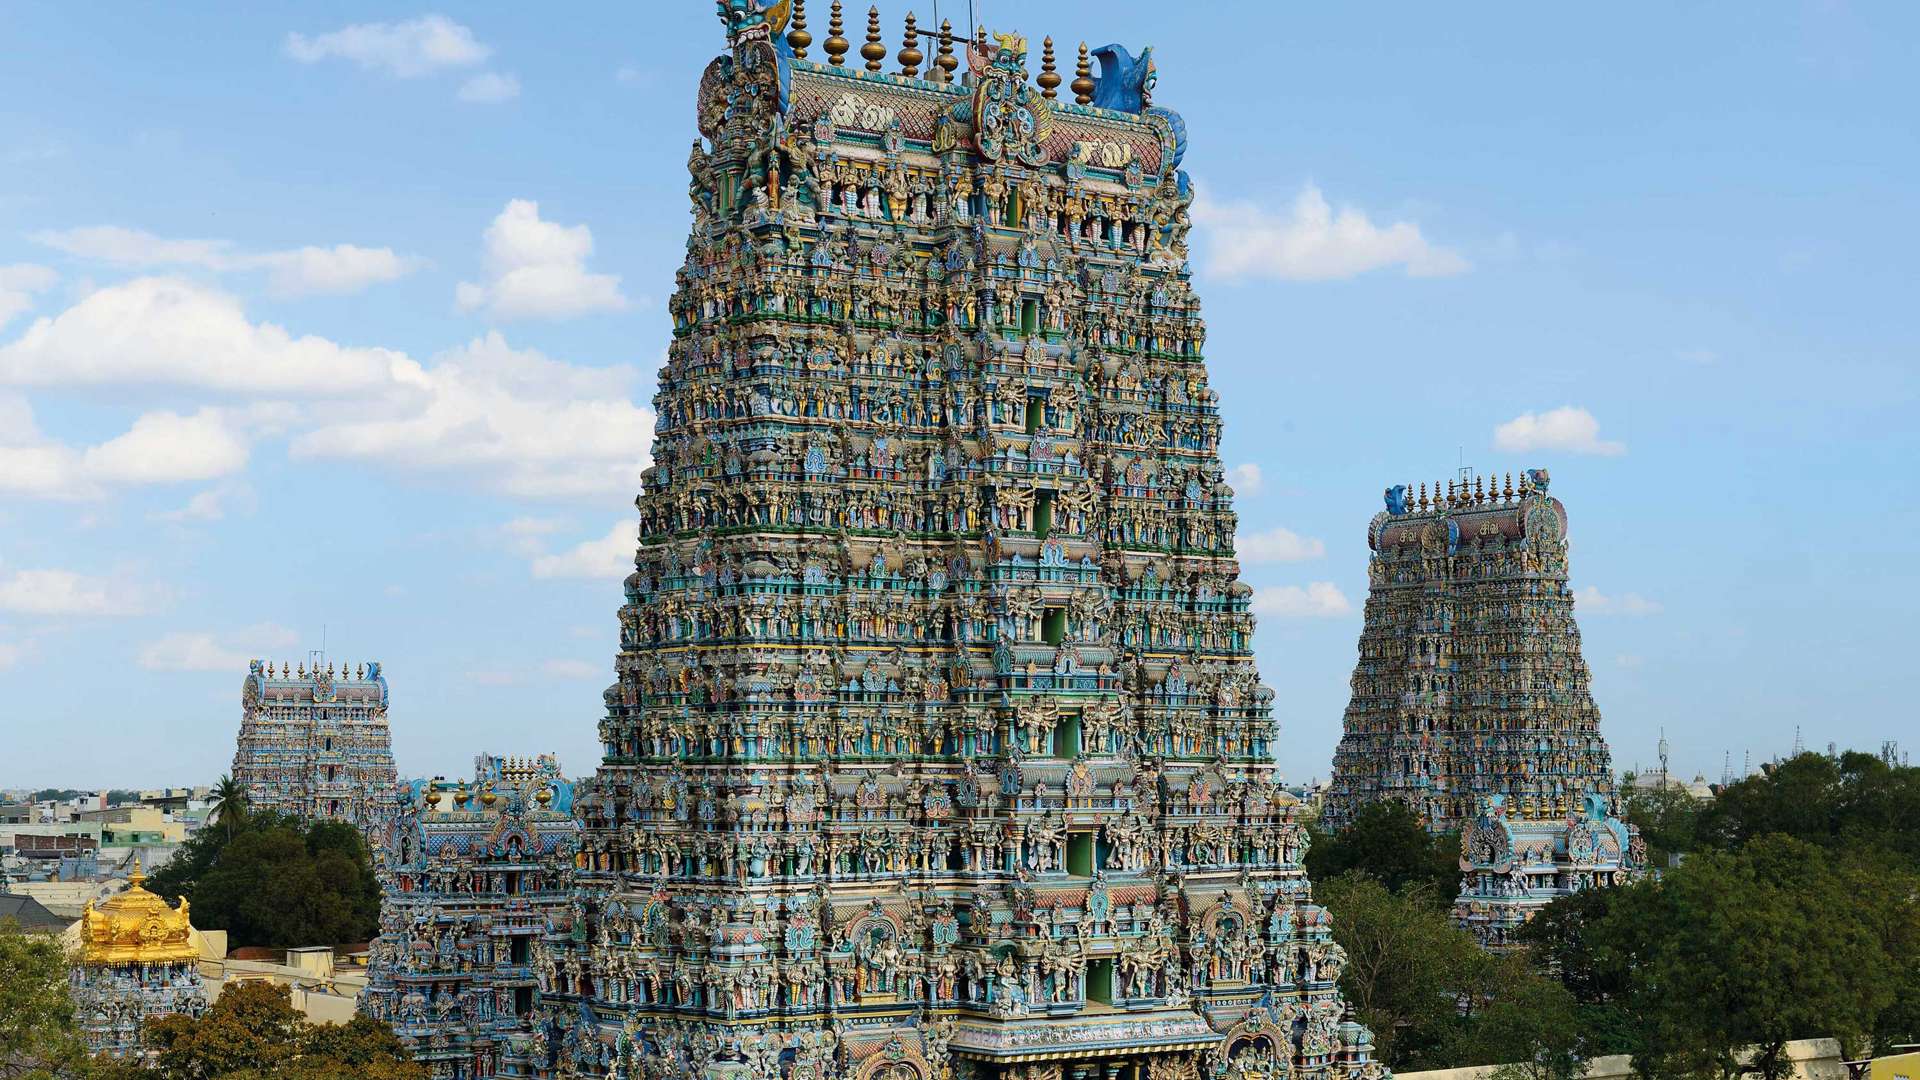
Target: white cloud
(63,592)
(489,88)
(1246,479)
(165,448)
(160,448)
(170,332)
(18,284)
(1630,661)
(1700,356)
(405,50)
(1313,242)
(214,504)
(189,651)
(573,669)
(526,424)
(1568,428)
(1277,546)
(611,556)
(1320,600)
(1591,601)
(343,268)
(538,269)
(10,655)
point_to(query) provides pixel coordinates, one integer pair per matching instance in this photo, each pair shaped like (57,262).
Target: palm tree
(229,804)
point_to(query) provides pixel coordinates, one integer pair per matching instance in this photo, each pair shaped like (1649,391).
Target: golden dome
(136,927)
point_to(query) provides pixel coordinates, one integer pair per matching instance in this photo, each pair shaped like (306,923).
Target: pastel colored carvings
(935,748)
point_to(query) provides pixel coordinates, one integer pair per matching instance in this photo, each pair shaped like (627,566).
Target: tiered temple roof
(1470,682)
(314,742)
(135,959)
(937,747)
(473,877)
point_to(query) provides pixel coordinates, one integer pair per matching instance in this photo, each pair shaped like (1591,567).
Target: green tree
(229,809)
(1668,820)
(1750,949)
(1404,963)
(1857,801)
(1388,841)
(38,1037)
(277,882)
(253,1033)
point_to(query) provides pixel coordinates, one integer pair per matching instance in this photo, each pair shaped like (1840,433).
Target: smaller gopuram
(1470,682)
(314,742)
(1514,868)
(135,959)
(472,876)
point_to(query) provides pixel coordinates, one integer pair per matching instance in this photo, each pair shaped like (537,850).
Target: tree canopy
(270,880)
(253,1033)
(1388,841)
(38,1038)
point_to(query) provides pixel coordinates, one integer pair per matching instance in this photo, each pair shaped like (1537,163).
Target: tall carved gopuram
(314,743)
(937,749)
(1471,691)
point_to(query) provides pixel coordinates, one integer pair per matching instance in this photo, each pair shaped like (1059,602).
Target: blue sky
(344,321)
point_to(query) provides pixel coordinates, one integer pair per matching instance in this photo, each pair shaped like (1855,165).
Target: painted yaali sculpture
(1471,701)
(314,743)
(473,881)
(937,749)
(134,959)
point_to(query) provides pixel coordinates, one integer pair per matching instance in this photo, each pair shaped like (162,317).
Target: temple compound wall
(1471,701)
(936,747)
(314,743)
(473,877)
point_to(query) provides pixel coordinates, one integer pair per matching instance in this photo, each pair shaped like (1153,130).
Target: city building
(937,748)
(314,742)
(135,959)
(1470,682)
(473,880)
(26,913)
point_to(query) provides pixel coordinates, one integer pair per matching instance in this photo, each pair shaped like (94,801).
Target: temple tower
(134,959)
(1470,682)
(473,879)
(314,742)
(936,748)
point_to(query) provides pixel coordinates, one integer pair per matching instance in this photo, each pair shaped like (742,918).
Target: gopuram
(937,751)
(314,743)
(134,959)
(472,881)
(1471,702)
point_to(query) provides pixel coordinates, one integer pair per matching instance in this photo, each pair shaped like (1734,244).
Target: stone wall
(1813,1059)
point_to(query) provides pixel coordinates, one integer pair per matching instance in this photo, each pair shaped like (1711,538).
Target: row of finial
(945,63)
(1459,495)
(464,797)
(286,670)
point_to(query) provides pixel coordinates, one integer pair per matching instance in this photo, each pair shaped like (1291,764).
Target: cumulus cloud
(1568,428)
(1312,241)
(1277,546)
(1246,479)
(538,270)
(611,556)
(1320,600)
(191,651)
(1591,601)
(160,448)
(64,592)
(404,50)
(526,424)
(343,268)
(168,332)
(489,88)
(18,284)
(573,669)
(10,655)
